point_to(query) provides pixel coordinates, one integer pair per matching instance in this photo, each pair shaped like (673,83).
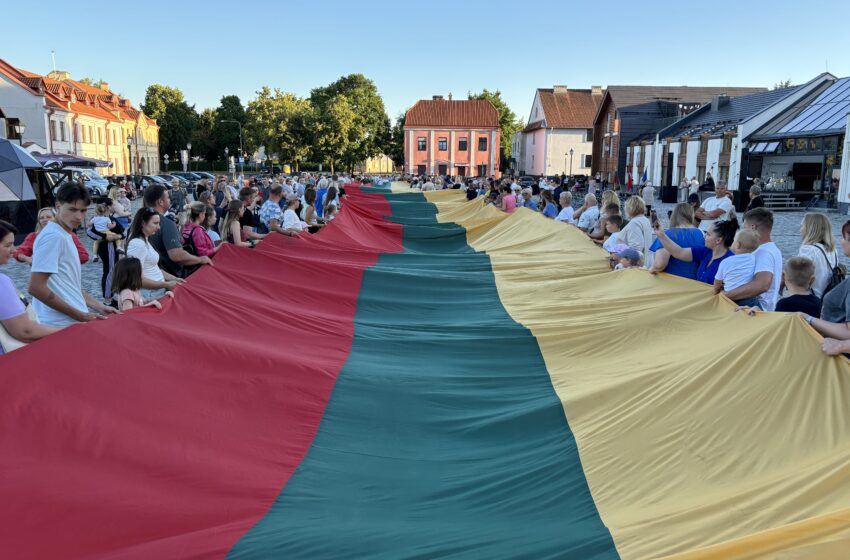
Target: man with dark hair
(249,219)
(168,241)
(768,271)
(56,280)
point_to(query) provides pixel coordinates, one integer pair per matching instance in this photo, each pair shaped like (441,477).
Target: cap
(629,254)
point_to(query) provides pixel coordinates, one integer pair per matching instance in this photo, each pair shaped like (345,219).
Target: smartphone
(653,218)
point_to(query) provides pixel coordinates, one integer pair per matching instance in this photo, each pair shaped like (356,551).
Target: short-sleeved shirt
(707,269)
(168,237)
(291,220)
(836,304)
(10,304)
(588,218)
(809,304)
(550,211)
(54,252)
(712,204)
(736,271)
(269,211)
(510,203)
(566,215)
(769,259)
(687,238)
(144,251)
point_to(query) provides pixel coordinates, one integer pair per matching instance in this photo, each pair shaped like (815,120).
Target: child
(330,212)
(613,225)
(798,275)
(739,269)
(127,283)
(628,258)
(209,225)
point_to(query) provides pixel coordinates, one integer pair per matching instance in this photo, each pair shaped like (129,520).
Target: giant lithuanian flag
(427,378)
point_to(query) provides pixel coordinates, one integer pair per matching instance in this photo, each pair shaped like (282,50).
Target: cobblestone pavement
(786,234)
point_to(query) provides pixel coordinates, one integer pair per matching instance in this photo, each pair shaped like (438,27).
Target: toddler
(739,269)
(628,258)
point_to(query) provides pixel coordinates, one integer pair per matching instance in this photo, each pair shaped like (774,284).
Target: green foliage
(353,103)
(281,122)
(91,82)
(783,84)
(508,121)
(395,148)
(226,134)
(203,144)
(175,117)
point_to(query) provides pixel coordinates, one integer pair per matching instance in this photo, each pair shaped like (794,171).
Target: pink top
(510,203)
(203,243)
(134,296)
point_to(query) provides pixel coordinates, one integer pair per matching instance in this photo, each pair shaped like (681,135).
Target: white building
(558,138)
(713,139)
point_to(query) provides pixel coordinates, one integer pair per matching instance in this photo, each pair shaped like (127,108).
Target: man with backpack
(168,241)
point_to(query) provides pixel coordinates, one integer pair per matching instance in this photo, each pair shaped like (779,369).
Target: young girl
(209,225)
(127,283)
(330,212)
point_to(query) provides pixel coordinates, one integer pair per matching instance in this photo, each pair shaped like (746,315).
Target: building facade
(452,137)
(558,138)
(65,116)
(629,113)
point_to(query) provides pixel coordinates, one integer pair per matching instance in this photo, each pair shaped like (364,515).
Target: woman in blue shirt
(718,239)
(686,235)
(547,206)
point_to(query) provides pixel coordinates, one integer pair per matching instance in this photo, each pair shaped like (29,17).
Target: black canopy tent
(24,187)
(59,161)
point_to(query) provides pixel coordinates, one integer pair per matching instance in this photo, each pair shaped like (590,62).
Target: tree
(281,122)
(226,134)
(203,143)
(175,117)
(396,145)
(368,132)
(509,123)
(335,126)
(90,82)
(783,84)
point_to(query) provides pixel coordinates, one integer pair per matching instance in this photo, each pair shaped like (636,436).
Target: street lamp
(165,158)
(188,155)
(19,130)
(240,140)
(571,162)
(130,153)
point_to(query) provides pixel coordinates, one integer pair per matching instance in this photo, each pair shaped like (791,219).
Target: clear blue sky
(416,50)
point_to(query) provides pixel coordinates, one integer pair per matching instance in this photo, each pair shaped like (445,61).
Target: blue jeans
(749,302)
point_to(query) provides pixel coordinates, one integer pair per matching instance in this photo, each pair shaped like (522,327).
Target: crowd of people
(145,254)
(704,241)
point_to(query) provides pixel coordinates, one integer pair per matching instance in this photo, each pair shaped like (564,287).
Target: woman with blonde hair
(610,197)
(819,246)
(23,253)
(194,232)
(685,234)
(638,232)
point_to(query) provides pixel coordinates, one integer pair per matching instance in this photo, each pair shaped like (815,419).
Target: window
(91,134)
(703,145)
(588,160)
(442,145)
(610,125)
(462,144)
(588,136)
(701,174)
(420,143)
(62,131)
(482,145)
(99,136)
(724,173)
(482,170)
(53,126)
(420,170)
(461,170)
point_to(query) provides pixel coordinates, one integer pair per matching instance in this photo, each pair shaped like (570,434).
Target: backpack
(189,247)
(839,273)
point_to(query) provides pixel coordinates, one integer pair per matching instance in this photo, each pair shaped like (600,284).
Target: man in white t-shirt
(56,280)
(768,269)
(715,208)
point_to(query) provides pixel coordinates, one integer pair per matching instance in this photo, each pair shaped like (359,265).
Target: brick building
(452,137)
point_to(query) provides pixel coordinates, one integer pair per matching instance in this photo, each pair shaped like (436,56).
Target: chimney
(719,101)
(596,90)
(560,89)
(59,75)
(437,98)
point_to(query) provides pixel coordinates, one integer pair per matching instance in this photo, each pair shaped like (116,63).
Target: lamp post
(241,155)
(19,130)
(165,158)
(571,162)
(226,156)
(188,155)
(130,153)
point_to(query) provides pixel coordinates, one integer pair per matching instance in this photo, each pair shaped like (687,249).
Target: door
(461,171)
(482,170)
(668,170)
(420,170)
(441,169)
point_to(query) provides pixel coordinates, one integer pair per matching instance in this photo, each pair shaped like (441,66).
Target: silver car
(97,185)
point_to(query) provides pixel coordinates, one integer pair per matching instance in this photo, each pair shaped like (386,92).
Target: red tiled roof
(531,127)
(573,108)
(474,113)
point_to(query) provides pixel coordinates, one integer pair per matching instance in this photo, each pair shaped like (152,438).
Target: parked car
(97,185)
(185,183)
(526,181)
(188,175)
(154,180)
(204,175)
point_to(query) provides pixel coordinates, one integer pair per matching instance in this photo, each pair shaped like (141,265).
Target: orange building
(446,137)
